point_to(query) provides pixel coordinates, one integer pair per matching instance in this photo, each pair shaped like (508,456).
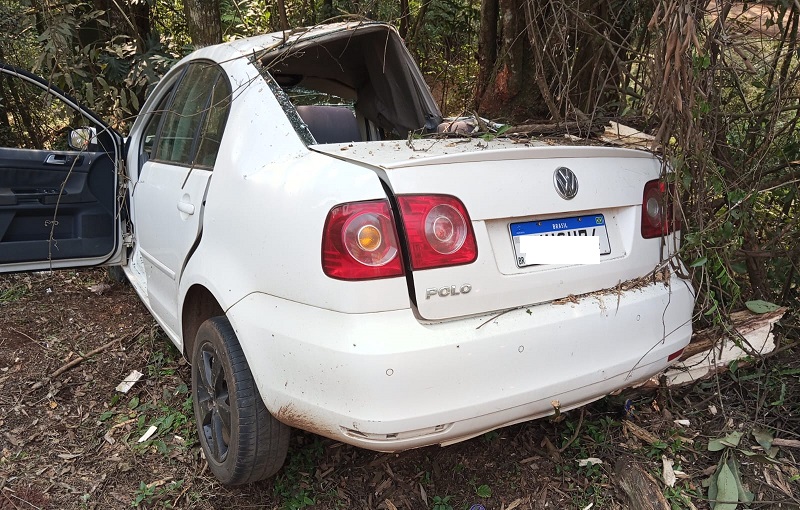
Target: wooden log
(641,489)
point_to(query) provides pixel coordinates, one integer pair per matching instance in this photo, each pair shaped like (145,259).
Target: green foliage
(12,293)
(82,50)
(483,491)
(294,484)
(444,48)
(442,503)
(152,495)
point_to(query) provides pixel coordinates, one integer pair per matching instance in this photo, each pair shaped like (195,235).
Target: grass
(294,484)
(12,293)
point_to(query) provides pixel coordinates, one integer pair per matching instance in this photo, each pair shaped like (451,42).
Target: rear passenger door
(58,205)
(177,152)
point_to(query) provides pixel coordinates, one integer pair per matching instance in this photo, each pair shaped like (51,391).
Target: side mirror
(81,138)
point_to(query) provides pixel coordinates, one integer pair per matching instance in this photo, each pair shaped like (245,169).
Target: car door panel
(41,221)
(58,205)
(162,196)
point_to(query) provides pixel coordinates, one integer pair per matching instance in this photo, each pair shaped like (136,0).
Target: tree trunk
(203,20)
(404,14)
(326,11)
(423,10)
(554,59)
(487,46)
(282,14)
(507,66)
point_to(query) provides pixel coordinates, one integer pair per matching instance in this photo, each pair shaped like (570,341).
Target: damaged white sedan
(322,267)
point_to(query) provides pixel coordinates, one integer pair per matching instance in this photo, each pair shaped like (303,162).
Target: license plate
(590,225)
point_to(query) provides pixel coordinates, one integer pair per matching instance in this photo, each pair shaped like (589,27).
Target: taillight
(658,212)
(675,355)
(359,242)
(438,229)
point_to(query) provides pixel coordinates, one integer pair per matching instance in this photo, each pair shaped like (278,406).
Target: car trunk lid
(509,189)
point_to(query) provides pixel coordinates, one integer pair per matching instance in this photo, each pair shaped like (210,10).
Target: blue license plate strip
(589,225)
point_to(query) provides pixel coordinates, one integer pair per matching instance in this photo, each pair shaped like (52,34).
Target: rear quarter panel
(266,208)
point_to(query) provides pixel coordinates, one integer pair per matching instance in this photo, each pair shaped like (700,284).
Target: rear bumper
(387,382)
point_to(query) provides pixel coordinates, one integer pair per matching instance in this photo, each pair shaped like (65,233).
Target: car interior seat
(331,124)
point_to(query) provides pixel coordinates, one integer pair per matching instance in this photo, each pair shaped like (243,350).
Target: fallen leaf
(147,435)
(731,440)
(389,504)
(727,493)
(668,473)
(744,495)
(129,381)
(763,437)
(99,288)
(514,504)
(591,461)
(761,306)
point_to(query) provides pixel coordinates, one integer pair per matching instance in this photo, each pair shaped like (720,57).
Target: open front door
(58,204)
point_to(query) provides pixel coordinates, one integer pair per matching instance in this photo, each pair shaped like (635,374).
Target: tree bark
(282,14)
(643,491)
(203,20)
(423,10)
(487,46)
(404,14)
(555,59)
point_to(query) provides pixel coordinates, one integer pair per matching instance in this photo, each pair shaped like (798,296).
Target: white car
(324,267)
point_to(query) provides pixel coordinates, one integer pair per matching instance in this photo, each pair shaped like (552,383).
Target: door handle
(55,159)
(186,207)
(63,159)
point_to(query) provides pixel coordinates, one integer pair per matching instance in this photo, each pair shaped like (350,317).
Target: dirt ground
(69,440)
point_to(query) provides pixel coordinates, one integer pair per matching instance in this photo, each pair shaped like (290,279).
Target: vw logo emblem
(566,182)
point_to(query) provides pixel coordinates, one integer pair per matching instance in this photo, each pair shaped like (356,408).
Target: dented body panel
(387,381)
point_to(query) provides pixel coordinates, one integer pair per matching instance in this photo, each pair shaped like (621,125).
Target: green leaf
(761,306)
(761,458)
(739,267)
(744,495)
(731,440)
(782,397)
(763,437)
(503,129)
(699,262)
(727,491)
(134,403)
(484,491)
(715,445)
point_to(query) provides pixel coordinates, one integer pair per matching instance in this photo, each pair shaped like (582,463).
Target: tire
(116,274)
(241,440)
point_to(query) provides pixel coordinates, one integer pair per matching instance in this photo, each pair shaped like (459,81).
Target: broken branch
(77,361)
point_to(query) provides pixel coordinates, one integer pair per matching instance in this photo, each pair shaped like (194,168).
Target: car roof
(295,36)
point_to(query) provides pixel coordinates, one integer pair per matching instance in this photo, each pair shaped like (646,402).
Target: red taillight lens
(359,242)
(658,211)
(438,229)
(675,355)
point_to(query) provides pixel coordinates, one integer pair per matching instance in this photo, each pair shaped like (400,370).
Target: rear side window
(214,123)
(193,123)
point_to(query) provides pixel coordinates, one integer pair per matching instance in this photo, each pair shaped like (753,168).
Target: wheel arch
(198,306)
